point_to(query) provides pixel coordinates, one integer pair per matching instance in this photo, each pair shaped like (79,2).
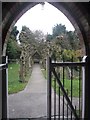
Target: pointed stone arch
(77,13)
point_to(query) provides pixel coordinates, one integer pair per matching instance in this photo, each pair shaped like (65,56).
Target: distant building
(36,57)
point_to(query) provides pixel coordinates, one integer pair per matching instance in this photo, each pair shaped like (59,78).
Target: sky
(43,18)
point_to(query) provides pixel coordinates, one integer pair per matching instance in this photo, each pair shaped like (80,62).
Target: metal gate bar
(51,69)
(54,99)
(59,99)
(49,88)
(79,90)
(65,94)
(71,87)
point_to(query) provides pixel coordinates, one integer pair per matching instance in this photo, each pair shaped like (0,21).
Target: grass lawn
(14,85)
(67,84)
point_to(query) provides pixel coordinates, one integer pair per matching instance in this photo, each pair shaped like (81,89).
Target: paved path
(32,101)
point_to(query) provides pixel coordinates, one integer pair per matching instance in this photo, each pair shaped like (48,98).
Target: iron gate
(4,79)
(61,100)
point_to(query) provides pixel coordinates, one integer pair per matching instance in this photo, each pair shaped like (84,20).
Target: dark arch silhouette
(77,13)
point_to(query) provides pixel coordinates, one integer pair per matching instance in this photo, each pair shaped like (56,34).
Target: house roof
(36,54)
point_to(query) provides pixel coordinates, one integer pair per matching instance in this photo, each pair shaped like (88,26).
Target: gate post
(4,88)
(87,89)
(49,88)
(0,60)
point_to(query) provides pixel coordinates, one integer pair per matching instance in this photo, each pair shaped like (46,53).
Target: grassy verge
(14,85)
(67,84)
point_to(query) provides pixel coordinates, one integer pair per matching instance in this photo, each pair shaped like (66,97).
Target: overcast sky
(43,18)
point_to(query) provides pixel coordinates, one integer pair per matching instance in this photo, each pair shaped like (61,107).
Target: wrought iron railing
(64,102)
